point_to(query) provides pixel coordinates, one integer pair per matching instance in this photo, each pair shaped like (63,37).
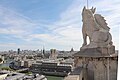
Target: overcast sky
(32,24)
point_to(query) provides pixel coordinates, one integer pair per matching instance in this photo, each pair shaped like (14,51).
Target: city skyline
(50,23)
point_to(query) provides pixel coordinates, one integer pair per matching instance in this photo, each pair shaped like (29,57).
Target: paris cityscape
(59,39)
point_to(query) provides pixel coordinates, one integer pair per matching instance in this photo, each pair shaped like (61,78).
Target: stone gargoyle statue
(95,27)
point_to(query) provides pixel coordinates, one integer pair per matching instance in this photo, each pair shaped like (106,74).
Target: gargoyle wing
(101,21)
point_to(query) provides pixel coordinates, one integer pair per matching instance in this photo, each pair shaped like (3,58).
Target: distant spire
(72,49)
(18,51)
(43,50)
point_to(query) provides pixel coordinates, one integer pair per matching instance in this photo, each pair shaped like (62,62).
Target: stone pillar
(85,69)
(100,70)
(105,69)
(113,68)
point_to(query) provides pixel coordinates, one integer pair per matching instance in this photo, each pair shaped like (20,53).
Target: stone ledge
(96,52)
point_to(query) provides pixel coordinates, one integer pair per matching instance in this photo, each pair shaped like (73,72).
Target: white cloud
(65,32)
(10,31)
(14,22)
(109,9)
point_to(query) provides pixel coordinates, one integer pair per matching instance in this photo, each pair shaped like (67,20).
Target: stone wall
(113,69)
(102,68)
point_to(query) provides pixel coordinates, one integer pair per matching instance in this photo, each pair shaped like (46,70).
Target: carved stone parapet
(107,50)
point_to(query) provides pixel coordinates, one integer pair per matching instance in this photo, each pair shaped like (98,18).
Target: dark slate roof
(93,52)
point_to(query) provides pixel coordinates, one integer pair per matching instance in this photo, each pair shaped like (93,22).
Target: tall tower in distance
(18,51)
(43,51)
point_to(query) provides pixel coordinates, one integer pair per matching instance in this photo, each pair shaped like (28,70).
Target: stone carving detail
(105,62)
(94,63)
(95,27)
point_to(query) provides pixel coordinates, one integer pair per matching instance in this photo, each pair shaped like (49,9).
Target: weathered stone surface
(77,74)
(96,52)
(98,68)
(95,27)
(97,59)
(107,50)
